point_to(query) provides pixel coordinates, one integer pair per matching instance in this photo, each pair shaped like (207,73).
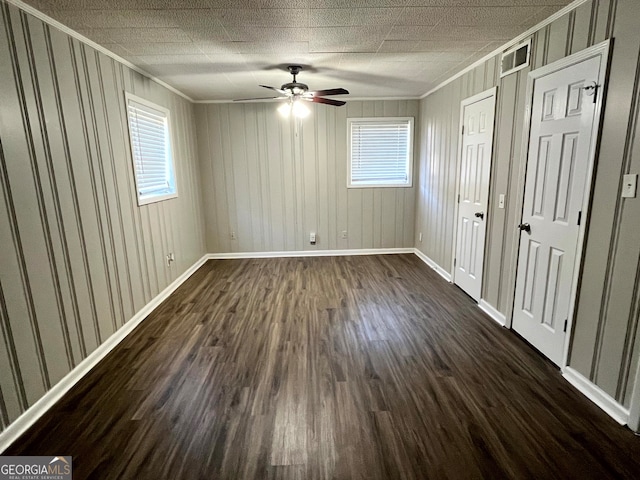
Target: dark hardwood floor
(368,367)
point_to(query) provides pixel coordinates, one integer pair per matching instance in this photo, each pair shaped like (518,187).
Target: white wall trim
(492,312)
(350,99)
(54,23)
(441,271)
(309,253)
(563,11)
(596,395)
(33,413)
(634,407)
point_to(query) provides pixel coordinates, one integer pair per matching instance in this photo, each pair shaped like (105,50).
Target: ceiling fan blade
(324,93)
(259,98)
(282,92)
(327,101)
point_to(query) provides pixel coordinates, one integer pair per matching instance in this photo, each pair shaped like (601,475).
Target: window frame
(170,163)
(380,120)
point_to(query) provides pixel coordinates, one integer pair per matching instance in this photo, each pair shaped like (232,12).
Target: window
(380,152)
(151,150)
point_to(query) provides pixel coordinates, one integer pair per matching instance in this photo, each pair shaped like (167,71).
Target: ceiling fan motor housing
(295,88)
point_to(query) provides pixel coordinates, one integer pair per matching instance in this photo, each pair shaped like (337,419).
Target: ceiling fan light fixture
(285,109)
(295,91)
(300,110)
(294,107)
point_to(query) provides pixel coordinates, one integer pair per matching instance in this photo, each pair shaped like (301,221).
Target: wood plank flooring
(364,367)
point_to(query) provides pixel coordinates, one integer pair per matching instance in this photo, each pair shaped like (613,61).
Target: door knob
(479,214)
(525,227)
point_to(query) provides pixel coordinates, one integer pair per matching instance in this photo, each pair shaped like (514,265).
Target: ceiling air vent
(516,58)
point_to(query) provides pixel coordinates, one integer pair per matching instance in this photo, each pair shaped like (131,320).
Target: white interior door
(473,191)
(563,113)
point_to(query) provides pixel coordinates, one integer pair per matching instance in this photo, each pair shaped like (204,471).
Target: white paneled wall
(79,258)
(268,182)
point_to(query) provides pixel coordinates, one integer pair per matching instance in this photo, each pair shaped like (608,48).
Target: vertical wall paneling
(599,339)
(617,325)
(558,38)
(603,13)
(497,219)
(112,206)
(263,183)
(633,360)
(66,201)
(115,115)
(33,256)
(539,48)
(130,221)
(14,397)
(40,73)
(96,245)
(581,27)
(273,181)
(604,344)
(80,256)
(290,184)
(514,189)
(629,233)
(321,173)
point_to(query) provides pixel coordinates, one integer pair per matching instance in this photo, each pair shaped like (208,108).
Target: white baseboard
(309,253)
(441,271)
(598,396)
(492,312)
(33,413)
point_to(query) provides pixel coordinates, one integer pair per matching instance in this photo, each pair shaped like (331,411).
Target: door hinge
(454,262)
(462,129)
(565,325)
(458,198)
(579,217)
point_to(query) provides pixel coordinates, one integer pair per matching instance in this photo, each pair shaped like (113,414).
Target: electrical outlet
(233,235)
(420,237)
(312,238)
(343,234)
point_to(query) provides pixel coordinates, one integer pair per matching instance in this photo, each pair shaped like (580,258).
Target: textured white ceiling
(223,49)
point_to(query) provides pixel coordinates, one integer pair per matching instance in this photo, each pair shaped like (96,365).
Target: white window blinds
(380,152)
(151,150)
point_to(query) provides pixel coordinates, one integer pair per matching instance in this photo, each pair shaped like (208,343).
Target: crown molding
(63,28)
(54,23)
(563,11)
(350,99)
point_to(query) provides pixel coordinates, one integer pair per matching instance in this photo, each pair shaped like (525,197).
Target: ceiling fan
(295,91)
